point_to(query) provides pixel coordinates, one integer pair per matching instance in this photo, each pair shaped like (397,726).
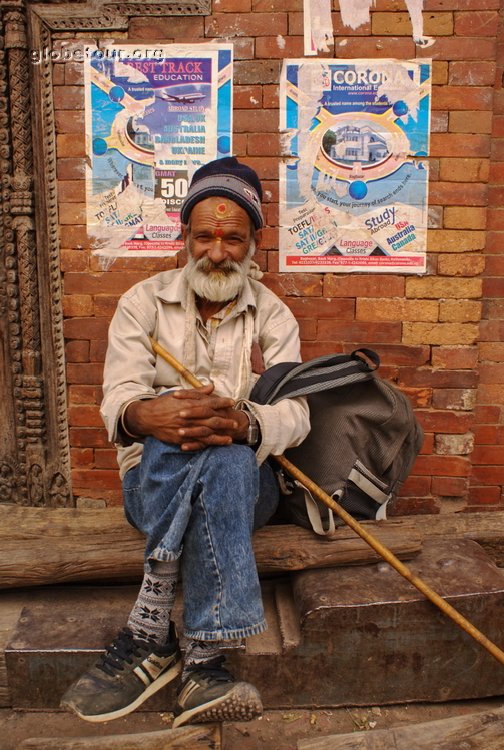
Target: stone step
(344,636)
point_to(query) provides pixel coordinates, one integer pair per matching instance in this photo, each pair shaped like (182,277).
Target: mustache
(225,267)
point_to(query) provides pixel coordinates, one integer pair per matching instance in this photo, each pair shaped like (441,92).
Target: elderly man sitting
(193,462)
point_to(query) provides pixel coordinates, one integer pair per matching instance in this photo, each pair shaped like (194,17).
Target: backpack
(363,441)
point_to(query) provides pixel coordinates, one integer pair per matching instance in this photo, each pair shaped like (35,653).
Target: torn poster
(153,116)
(318,29)
(353,186)
(355,13)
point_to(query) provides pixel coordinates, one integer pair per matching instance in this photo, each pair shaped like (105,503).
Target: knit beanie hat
(226,178)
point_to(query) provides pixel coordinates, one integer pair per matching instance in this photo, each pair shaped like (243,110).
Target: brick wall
(439,335)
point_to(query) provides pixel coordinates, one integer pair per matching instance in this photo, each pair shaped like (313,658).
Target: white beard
(218,283)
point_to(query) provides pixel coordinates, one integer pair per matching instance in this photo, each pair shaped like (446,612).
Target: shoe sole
(160,682)
(242,703)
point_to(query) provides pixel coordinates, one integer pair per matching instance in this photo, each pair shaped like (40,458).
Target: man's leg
(222,596)
(145,655)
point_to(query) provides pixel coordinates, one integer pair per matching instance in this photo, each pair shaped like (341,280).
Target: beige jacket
(219,351)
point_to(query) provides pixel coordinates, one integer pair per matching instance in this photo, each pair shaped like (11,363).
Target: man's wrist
(252,433)
(131,419)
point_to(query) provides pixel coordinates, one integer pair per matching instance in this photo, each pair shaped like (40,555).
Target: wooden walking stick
(373,542)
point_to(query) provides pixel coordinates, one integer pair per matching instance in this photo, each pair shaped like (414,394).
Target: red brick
(475,73)
(276,5)
(87,437)
(73,260)
(85,328)
(376,47)
(363,286)
(455,144)
(106,458)
(263,144)
(454,357)
(459,48)
(271,47)
(97,350)
(72,213)
(179,28)
(107,282)
(294,284)
(488,455)
(256,71)
(416,485)
(95,478)
(77,351)
(234,6)
(84,394)
(450,486)
(77,305)
(68,97)
(271,96)
(71,168)
(485,495)
(81,457)
(71,191)
(243,24)
(264,121)
(360,333)
(70,144)
(462,97)
(85,374)
(445,421)
(307,329)
(491,373)
(321,307)
(489,435)
(483,23)
(69,121)
(487,474)
(458,194)
(448,466)
(247,97)
(84,416)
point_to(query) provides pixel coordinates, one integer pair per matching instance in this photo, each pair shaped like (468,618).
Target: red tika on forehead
(222,209)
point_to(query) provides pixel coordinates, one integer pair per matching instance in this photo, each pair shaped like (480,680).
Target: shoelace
(212,671)
(123,648)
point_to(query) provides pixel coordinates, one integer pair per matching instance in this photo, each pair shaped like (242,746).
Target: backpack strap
(291,379)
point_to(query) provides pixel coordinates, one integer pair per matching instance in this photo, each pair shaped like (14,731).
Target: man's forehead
(218,210)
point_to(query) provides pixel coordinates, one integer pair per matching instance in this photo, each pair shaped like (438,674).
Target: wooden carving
(34,444)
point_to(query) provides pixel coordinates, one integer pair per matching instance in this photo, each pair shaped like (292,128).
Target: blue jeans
(203,507)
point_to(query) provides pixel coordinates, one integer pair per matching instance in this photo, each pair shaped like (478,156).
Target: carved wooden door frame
(34,444)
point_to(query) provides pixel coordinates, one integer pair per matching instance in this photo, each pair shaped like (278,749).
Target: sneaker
(210,693)
(129,672)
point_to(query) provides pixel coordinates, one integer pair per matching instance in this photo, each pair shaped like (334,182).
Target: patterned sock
(150,616)
(199,652)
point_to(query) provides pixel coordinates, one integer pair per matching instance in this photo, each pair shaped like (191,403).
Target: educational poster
(153,116)
(354,183)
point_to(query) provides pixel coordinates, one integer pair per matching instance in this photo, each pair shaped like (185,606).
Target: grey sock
(150,616)
(199,652)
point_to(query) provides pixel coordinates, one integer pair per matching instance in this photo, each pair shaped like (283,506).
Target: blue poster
(153,116)
(354,184)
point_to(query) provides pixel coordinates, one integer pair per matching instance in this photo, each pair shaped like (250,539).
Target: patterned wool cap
(226,178)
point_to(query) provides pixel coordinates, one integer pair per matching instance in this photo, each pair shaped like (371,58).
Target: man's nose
(217,251)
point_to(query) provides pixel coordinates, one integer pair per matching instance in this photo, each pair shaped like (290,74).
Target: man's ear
(184,229)
(258,236)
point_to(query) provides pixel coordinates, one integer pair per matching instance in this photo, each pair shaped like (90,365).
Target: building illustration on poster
(153,116)
(354,182)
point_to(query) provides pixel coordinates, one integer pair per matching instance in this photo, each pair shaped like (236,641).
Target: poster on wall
(354,182)
(153,116)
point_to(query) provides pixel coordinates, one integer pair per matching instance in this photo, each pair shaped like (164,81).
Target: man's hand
(193,419)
